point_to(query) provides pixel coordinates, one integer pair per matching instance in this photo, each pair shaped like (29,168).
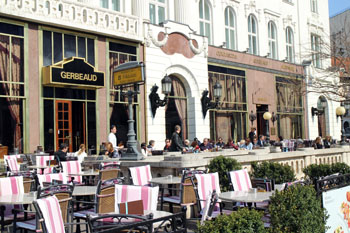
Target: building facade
(254,49)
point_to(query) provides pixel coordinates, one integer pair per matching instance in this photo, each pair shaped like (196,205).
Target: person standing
(176,141)
(61,154)
(112,138)
(252,134)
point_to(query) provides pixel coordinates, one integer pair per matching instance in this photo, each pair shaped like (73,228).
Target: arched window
(205,20)
(289,44)
(272,30)
(253,35)
(157,10)
(230,28)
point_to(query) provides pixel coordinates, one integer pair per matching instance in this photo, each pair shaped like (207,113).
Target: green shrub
(223,165)
(271,170)
(241,221)
(315,171)
(297,209)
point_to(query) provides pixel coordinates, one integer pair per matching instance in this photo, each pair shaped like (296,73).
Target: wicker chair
(108,174)
(27,184)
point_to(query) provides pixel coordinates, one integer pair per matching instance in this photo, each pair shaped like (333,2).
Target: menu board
(337,204)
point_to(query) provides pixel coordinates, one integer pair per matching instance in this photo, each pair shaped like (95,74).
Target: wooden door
(64,123)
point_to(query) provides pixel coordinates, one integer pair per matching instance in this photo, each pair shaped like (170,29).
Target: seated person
(255,142)
(81,154)
(220,143)
(318,143)
(195,147)
(167,145)
(205,146)
(150,146)
(110,151)
(327,142)
(187,145)
(144,149)
(61,154)
(247,145)
(231,144)
(261,141)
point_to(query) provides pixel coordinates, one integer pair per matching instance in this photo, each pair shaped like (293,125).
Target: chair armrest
(85,202)
(106,195)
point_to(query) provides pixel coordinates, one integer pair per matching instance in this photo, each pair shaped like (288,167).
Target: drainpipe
(306,65)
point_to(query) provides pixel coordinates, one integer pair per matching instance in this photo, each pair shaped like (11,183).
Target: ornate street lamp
(340,111)
(274,118)
(252,117)
(267,116)
(205,100)
(155,101)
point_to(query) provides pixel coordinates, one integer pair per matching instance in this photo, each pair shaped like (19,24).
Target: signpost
(131,73)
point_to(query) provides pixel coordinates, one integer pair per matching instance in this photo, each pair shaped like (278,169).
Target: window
(205,20)
(316,50)
(253,35)
(110,4)
(314,6)
(230,22)
(289,45)
(272,40)
(157,11)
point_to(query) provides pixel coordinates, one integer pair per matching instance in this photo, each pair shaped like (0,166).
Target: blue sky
(337,6)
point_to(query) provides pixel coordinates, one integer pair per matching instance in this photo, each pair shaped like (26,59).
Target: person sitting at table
(110,152)
(195,147)
(150,146)
(247,145)
(205,146)
(220,143)
(167,145)
(61,154)
(81,154)
(261,141)
(318,143)
(187,145)
(144,149)
(231,144)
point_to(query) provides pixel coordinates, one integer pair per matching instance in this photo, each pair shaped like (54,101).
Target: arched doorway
(176,109)
(321,117)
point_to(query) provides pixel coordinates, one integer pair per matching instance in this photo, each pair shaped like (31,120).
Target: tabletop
(85,173)
(18,199)
(84,190)
(242,196)
(166,180)
(37,167)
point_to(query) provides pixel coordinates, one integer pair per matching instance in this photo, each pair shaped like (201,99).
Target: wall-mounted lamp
(252,117)
(154,98)
(319,110)
(274,118)
(205,100)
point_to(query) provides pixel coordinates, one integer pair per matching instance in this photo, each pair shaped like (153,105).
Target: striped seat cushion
(141,175)
(9,186)
(29,225)
(206,184)
(51,211)
(240,180)
(49,177)
(41,161)
(70,167)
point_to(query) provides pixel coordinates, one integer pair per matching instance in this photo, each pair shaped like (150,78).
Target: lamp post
(205,100)
(267,116)
(155,101)
(340,111)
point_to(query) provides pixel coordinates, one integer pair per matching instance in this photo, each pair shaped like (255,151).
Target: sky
(337,6)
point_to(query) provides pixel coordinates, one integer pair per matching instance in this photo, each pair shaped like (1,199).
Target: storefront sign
(73,71)
(289,68)
(337,204)
(260,62)
(226,54)
(129,73)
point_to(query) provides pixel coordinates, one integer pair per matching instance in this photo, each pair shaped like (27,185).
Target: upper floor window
(316,50)
(230,23)
(272,40)
(205,19)
(314,6)
(253,35)
(289,45)
(110,4)
(157,11)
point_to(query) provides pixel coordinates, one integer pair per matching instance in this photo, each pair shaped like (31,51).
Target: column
(140,8)
(187,12)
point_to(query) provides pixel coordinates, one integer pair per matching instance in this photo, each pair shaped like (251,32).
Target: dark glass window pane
(60,124)
(47,48)
(17,60)
(91,122)
(132,58)
(69,46)
(91,51)
(60,106)
(82,47)
(60,115)
(65,107)
(66,116)
(48,92)
(122,48)
(49,125)
(57,43)
(5,62)
(11,29)
(91,94)
(68,93)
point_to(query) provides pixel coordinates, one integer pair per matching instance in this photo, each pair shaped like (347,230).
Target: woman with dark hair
(318,143)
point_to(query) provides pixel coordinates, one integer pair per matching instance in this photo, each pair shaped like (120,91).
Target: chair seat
(172,199)
(29,225)
(83,213)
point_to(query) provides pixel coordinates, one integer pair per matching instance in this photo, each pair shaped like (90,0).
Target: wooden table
(166,180)
(80,191)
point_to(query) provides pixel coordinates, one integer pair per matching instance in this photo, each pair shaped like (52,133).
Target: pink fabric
(207,183)
(138,175)
(12,162)
(71,167)
(240,180)
(52,214)
(145,196)
(141,175)
(50,177)
(42,161)
(10,186)
(14,185)
(124,193)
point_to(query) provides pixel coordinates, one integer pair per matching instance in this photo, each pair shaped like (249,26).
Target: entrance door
(261,123)
(64,123)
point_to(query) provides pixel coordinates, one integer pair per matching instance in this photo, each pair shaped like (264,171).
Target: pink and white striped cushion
(50,208)
(240,180)
(50,177)
(41,161)
(11,162)
(206,184)
(141,175)
(71,167)
(126,193)
(10,186)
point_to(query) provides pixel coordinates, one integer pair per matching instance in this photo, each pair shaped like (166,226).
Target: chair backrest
(42,161)
(206,185)
(109,165)
(48,178)
(70,167)
(10,186)
(105,195)
(141,175)
(27,183)
(126,193)
(108,174)
(11,162)
(50,214)
(240,180)
(188,183)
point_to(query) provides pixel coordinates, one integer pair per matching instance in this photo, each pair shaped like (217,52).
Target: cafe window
(289,107)
(57,46)
(118,104)
(230,120)
(157,11)
(12,86)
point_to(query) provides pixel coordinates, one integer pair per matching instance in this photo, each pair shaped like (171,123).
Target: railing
(83,15)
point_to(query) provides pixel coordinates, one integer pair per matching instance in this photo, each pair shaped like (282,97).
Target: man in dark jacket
(176,141)
(61,154)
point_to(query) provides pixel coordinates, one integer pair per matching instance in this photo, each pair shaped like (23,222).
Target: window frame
(204,21)
(314,6)
(290,45)
(110,4)
(272,41)
(157,5)
(252,35)
(316,44)
(231,43)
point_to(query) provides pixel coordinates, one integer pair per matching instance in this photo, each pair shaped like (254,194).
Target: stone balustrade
(82,15)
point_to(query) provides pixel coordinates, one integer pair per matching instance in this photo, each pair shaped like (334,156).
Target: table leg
(162,197)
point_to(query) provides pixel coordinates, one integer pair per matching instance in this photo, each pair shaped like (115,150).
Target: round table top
(85,173)
(37,167)
(84,191)
(166,180)
(242,196)
(18,199)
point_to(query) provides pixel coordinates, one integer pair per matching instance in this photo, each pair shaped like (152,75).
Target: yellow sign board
(128,76)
